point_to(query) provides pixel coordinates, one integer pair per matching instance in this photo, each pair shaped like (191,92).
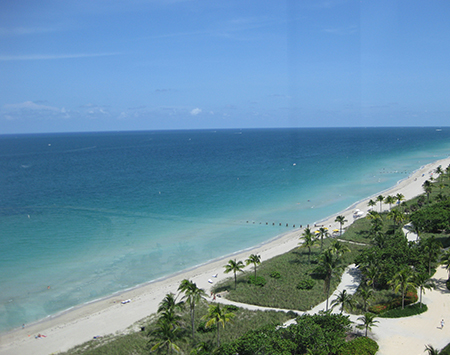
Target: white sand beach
(403,336)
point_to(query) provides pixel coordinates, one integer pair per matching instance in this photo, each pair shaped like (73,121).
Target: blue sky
(96,65)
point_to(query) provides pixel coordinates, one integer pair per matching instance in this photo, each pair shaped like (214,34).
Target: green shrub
(306,284)
(359,346)
(292,314)
(410,297)
(275,275)
(409,311)
(445,350)
(448,284)
(260,281)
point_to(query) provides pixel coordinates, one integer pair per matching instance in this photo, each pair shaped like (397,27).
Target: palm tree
(371,272)
(368,321)
(365,293)
(169,304)
(422,281)
(445,261)
(380,199)
(397,216)
(217,316)
(164,336)
(428,188)
(343,299)
(328,264)
(193,295)
(373,215)
(399,197)
(431,248)
(341,220)
(426,183)
(371,203)
(323,232)
(431,350)
(428,191)
(401,281)
(235,267)
(378,238)
(440,172)
(390,200)
(339,248)
(167,311)
(308,240)
(167,329)
(255,260)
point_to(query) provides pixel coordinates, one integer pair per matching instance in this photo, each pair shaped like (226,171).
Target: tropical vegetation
(395,274)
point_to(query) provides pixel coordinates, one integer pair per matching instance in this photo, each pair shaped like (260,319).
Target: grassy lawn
(282,275)
(408,311)
(283,292)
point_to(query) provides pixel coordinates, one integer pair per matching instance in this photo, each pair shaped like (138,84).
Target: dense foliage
(410,297)
(359,346)
(321,334)
(394,272)
(433,218)
(410,310)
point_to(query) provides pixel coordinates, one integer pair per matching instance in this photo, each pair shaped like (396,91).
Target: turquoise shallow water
(90,214)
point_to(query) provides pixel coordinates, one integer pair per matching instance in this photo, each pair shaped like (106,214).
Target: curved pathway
(349,281)
(394,335)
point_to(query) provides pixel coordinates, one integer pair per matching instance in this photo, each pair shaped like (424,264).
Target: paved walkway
(349,281)
(395,336)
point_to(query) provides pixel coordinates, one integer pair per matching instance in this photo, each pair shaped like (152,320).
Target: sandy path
(410,335)
(110,316)
(394,336)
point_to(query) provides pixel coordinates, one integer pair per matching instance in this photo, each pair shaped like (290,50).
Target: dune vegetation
(395,272)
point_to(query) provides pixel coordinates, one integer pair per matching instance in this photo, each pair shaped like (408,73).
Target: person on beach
(442,324)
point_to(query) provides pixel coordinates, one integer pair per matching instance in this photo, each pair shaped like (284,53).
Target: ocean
(84,215)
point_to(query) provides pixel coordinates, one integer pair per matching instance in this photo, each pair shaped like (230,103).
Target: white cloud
(30,105)
(196,111)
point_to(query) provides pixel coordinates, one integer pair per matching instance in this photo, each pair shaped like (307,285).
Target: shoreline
(108,315)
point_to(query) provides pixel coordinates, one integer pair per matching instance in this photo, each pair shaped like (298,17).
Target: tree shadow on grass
(301,257)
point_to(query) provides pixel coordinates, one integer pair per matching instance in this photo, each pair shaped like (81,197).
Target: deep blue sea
(89,214)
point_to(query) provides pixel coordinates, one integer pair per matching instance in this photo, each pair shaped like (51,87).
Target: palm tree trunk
(218,342)
(327,283)
(255,273)
(403,299)
(193,320)
(235,280)
(420,297)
